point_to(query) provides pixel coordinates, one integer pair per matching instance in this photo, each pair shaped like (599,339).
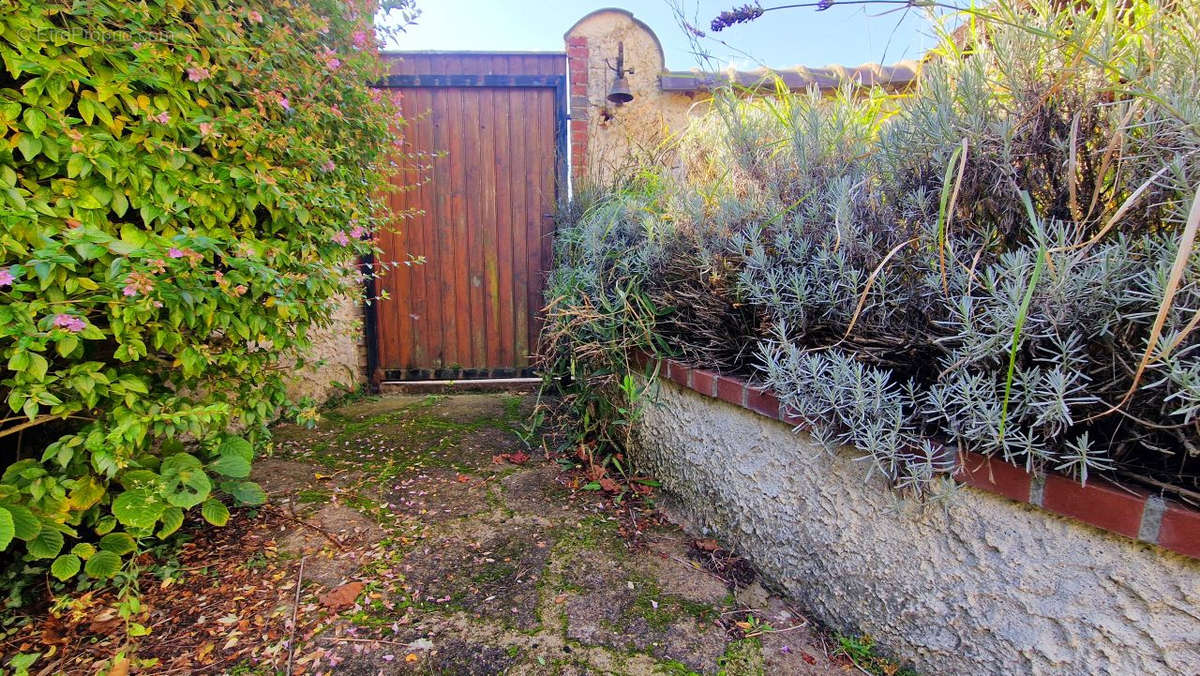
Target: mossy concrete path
(427,549)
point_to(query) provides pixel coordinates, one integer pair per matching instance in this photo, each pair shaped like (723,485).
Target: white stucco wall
(977,584)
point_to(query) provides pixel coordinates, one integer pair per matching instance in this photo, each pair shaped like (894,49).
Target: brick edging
(1135,514)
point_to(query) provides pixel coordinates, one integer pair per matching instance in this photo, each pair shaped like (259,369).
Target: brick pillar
(577,66)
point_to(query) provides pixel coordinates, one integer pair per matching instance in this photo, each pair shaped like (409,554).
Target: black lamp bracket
(620,68)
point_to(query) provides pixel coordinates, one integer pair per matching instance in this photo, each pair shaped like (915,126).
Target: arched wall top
(629,15)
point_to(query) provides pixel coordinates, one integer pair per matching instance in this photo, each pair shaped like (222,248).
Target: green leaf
(83,550)
(29,146)
(65,567)
(215,512)
(87,492)
(103,565)
(35,121)
(186,488)
(172,519)
(233,466)
(67,345)
(105,525)
(236,446)
(248,493)
(46,545)
(134,235)
(7,530)
(21,662)
(136,629)
(26,523)
(118,543)
(138,508)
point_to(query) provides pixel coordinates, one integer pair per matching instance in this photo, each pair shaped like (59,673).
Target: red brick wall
(577,68)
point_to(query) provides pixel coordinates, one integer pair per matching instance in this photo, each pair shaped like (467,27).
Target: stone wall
(972,584)
(341,351)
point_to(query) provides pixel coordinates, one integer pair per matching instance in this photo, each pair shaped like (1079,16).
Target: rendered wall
(617,134)
(340,347)
(975,584)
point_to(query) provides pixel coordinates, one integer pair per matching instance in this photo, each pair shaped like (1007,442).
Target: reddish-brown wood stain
(479,215)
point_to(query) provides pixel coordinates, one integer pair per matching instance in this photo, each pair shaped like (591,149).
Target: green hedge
(185,186)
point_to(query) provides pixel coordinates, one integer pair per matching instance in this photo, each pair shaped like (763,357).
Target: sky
(841,35)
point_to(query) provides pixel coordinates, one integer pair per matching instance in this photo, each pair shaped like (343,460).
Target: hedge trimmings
(184,190)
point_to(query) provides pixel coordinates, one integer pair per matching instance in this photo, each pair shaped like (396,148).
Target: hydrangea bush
(185,191)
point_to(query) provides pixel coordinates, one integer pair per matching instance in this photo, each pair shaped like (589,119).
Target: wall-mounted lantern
(620,93)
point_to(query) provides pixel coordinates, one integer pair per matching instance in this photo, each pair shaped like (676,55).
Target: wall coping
(1132,513)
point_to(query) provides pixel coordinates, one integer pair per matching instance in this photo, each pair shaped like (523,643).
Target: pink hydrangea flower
(7,278)
(255,16)
(333,63)
(163,118)
(284,103)
(357,232)
(341,238)
(197,74)
(359,38)
(69,322)
(328,166)
(175,253)
(206,128)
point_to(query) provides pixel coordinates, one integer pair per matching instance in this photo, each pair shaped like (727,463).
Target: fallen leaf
(120,667)
(517,458)
(411,657)
(341,597)
(610,485)
(104,622)
(707,545)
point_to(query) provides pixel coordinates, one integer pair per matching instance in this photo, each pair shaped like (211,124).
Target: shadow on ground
(489,567)
(420,535)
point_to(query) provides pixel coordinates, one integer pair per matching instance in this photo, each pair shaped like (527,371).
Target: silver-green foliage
(980,260)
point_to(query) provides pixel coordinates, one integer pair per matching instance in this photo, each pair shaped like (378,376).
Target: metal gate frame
(561,119)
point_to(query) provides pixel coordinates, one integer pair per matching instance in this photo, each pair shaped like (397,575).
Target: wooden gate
(490,129)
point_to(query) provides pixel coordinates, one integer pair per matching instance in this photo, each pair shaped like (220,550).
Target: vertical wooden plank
(487,198)
(517,144)
(504,112)
(455,186)
(397,334)
(434,321)
(473,158)
(549,188)
(416,231)
(444,236)
(535,124)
